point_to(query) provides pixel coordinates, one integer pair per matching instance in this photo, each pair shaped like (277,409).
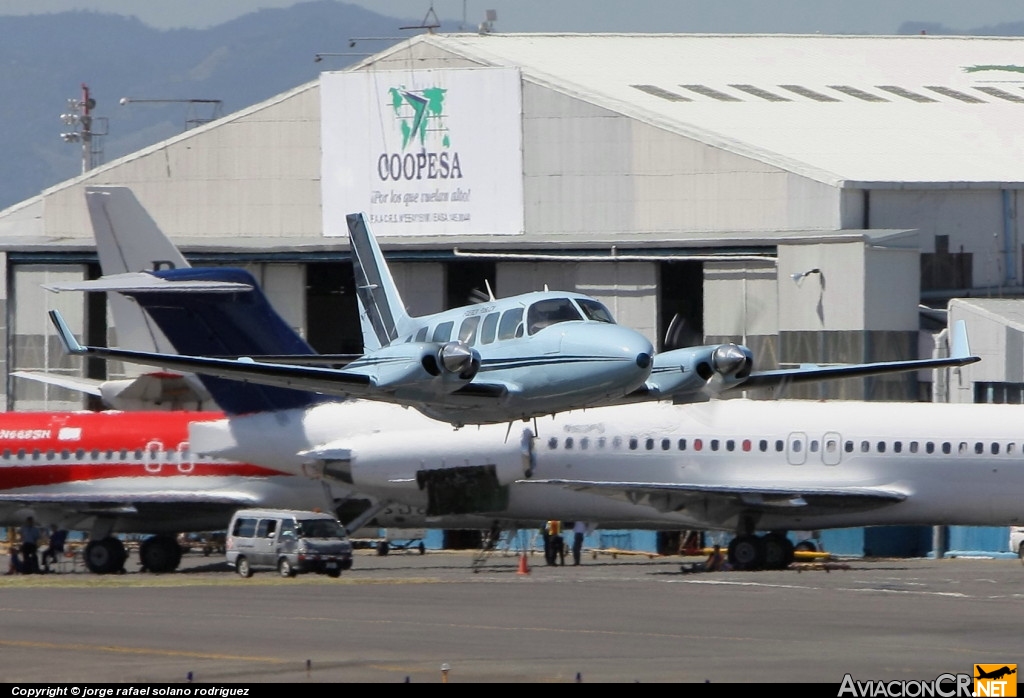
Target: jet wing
(748,498)
(127,499)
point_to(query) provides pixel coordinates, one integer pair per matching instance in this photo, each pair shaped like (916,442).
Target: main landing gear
(771,551)
(105,556)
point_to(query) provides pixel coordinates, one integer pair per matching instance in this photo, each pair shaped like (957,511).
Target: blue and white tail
(234,324)
(129,240)
(382,315)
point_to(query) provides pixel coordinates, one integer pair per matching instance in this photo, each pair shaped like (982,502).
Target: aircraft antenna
(490,293)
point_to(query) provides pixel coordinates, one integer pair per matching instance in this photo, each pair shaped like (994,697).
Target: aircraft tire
(159,554)
(778,552)
(243,567)
(746,552)
(383,548)
(285,568)
(105,556)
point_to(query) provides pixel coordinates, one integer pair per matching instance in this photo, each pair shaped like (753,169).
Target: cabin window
(584,443)
(21,453)
(550,312)
(1010,448)
(897,447)
(962,449)
(865,447)
(138,454)
(508,328)
(601,442)
(552,443)
(666,444)
(616,442)
(568,443)
(913,447)
(714,444)
(7,453)
(633,443)
(995,448)
(797,446)
(780,445)
(929,447)
(813,446)
(698,444)
(50,454)
(682,444)
(831,446)
(421,335)
(443,332)
(763,445)
(490,328)
(80,454)
(848,447)
(947,447)
(746,444)
(649,443)
(730,445)
(881,447)
(467,332)
(595,311)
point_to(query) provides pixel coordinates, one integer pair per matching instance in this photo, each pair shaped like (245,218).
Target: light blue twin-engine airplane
(506,359)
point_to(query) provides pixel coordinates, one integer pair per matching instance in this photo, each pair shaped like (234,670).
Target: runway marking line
(136,650)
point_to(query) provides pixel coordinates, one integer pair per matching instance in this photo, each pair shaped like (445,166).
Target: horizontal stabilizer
(144,282)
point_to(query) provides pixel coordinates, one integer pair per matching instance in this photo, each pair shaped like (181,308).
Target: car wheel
(243,568)
(285,568)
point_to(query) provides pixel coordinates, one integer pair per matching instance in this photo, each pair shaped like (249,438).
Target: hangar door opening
(332,312)
(680,304)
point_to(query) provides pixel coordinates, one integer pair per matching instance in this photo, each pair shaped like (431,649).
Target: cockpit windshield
(595,311)
(320,528)
(550,312)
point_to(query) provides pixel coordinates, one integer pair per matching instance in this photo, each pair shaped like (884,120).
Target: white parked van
(287,540)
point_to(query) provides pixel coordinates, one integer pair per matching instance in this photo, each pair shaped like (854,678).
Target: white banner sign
(423,152)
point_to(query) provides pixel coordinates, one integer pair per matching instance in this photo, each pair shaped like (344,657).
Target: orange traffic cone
(524,567)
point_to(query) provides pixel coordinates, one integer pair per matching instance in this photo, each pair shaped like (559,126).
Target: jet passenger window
(550,312)
(509,325)
(552,443)
(595,311)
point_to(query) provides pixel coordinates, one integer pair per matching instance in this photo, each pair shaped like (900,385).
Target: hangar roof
(852,111)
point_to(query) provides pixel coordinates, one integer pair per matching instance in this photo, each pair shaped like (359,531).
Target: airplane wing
(732,499)
(697,373)
(89,386)
(374,377)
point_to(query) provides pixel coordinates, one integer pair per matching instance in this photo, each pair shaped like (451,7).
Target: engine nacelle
(709,368)
(431,367)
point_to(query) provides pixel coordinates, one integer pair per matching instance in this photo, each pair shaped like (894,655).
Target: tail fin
(382,313)
(129,240)
(228,324)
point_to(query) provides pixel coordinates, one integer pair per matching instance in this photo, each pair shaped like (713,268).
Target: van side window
(244,528)
(287,528)
(266,528)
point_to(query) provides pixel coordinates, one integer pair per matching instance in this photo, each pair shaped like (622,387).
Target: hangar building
(801,194)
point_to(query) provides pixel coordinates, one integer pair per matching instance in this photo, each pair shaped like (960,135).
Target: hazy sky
(797,16)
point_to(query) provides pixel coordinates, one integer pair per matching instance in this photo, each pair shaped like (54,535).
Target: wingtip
(959,346)
(66,336)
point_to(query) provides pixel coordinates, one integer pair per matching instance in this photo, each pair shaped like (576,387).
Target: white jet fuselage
(775,464)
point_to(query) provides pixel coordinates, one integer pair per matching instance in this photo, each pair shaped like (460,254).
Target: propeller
(460,358)
(732,360)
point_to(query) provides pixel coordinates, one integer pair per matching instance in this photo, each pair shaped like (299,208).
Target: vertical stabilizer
(128,240)
(382,315)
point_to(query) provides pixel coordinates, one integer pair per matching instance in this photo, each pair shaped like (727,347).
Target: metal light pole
(88,128)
